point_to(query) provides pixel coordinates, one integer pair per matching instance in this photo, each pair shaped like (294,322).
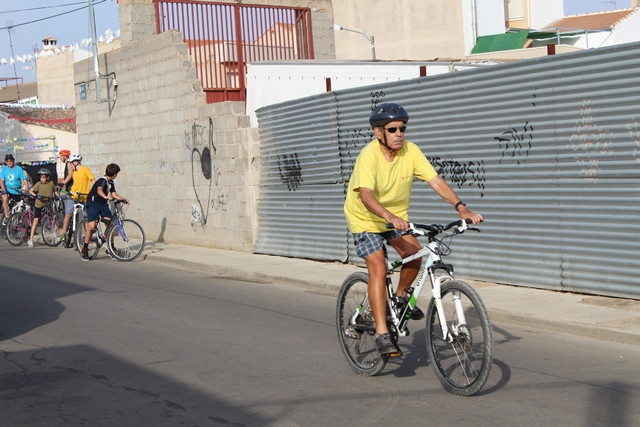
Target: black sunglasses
(393,129)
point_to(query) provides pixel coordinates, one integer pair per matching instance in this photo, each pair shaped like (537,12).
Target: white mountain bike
(458,331)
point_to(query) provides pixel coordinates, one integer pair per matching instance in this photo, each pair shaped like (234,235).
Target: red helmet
(65,153)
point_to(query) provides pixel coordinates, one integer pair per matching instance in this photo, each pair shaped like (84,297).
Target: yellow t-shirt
(82,178)
(391,183)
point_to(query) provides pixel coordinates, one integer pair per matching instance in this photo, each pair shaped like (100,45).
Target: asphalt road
(142,343)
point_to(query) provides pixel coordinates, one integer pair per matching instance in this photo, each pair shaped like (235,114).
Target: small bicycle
(19,224)
(124,237)
(458,331)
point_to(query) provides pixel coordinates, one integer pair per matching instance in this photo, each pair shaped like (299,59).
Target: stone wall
(190,168)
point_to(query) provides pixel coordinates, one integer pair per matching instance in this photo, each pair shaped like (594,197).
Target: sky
(71,27)
(574,7)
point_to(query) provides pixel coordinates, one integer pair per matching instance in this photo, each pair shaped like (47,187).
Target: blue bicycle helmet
(388,112)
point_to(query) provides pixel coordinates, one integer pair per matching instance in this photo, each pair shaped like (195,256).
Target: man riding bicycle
(13,183)
(379,193)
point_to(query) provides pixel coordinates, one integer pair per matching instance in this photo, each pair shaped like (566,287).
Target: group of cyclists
(75,183)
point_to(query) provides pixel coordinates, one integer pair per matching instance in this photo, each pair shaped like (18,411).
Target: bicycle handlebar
(433,229)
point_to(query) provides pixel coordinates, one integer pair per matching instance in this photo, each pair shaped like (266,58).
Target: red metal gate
(223,37)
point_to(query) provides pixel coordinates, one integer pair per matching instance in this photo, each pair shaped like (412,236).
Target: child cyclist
(43,189)
(101,193)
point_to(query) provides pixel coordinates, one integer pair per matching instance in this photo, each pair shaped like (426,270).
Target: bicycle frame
(432,262)
(27,214)
(16,204)
(115,222)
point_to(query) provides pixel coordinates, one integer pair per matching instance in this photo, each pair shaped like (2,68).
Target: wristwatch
(458,204)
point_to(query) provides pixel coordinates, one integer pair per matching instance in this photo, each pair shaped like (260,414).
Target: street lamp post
(370,38)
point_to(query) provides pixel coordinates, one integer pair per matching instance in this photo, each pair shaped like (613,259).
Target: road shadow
(24,308)
(82,385)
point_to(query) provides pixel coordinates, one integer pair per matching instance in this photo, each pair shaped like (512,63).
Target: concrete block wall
(137,20)
(191,169)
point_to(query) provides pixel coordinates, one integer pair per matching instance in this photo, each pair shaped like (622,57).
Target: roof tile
(592,21)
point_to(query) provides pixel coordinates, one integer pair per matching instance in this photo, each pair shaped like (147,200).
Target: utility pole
(94,45)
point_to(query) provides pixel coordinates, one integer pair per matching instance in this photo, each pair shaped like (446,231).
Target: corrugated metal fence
(547,149)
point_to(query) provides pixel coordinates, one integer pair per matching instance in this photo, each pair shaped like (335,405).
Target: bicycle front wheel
(126,240)
(94,244)
(357,336)
(51,226)
(462,360)
(18,229)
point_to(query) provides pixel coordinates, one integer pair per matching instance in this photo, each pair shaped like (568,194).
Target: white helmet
(75,158)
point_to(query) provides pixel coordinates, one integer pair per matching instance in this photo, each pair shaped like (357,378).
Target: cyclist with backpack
(103,191)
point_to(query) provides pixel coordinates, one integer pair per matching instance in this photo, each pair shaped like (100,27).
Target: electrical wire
(43,7)
(9,27)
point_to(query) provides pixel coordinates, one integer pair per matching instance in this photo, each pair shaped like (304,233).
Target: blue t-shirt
(13,178)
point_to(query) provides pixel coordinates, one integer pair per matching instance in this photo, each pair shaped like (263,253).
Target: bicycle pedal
(397,354)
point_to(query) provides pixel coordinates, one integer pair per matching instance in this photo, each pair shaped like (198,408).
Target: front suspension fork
(437,300)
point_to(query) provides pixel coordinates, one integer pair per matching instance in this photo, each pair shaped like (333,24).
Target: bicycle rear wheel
(357,338)
(51,226)
(126,240)
(462,361)
(94,245)
(18,229)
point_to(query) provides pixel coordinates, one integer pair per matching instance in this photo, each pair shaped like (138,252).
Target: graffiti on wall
(461,173)
(377,98)
(290,170)
(515,144)
(350,146)
(590,143)
(354,139)
(205,173)
(170,167)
